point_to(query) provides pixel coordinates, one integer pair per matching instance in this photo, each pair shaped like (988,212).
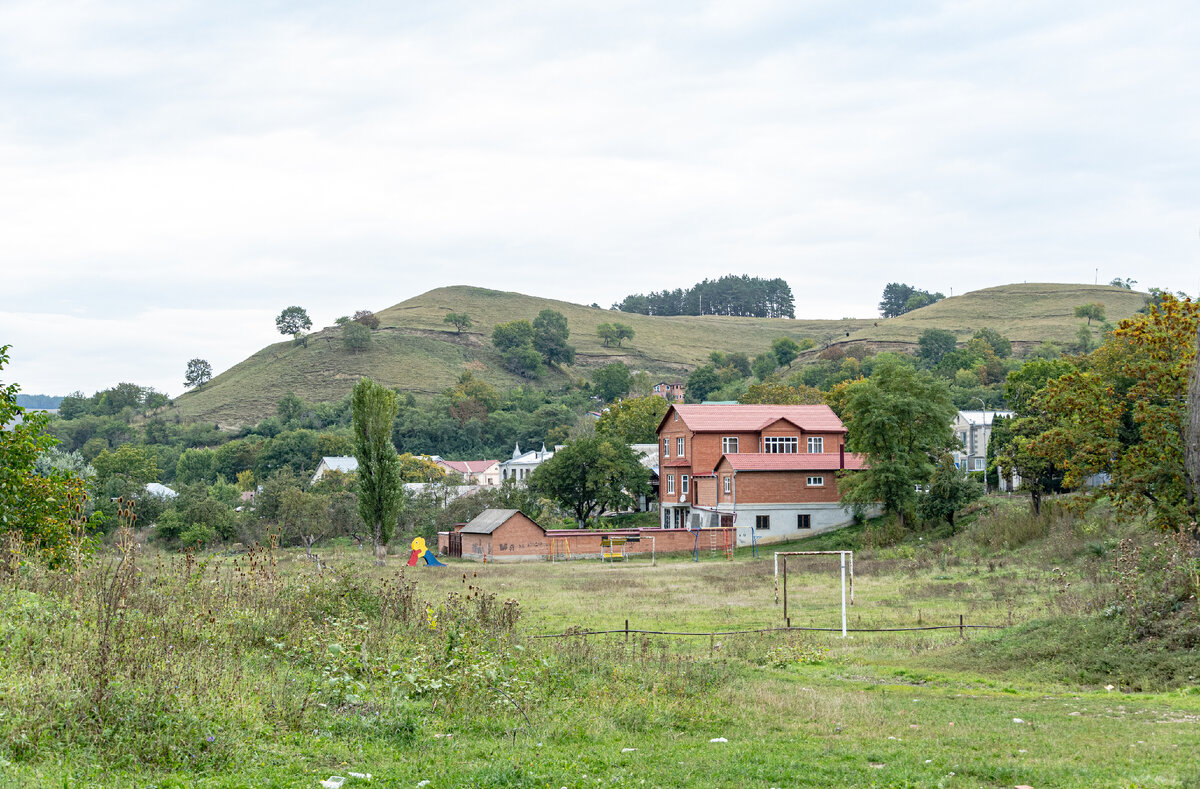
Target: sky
(173,174)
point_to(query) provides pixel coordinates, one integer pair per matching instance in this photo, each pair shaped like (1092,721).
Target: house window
(803,521)
(816,482)
(666,447)
(670,484)
(816,444)
(683,481)
(679,447)
(762,522)
(729,445)
(728,484)
(979,464)
(781,445)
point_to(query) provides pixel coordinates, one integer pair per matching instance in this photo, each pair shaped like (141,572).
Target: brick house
(473,472)
(671,392)
(769,470)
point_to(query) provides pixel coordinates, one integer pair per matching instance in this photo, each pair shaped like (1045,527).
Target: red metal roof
(752,418)
(816,461)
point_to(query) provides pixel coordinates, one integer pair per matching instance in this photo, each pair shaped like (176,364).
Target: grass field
(414,350)
(261,670)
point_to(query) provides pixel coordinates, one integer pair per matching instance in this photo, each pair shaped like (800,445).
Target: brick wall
(519,543)
(782,486)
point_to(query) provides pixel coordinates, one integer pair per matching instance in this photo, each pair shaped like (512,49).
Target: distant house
(973,429)
(346,465)
(648,455)
(522,464)
(473,472)
(160,490)
(771,471)
(444,493)
(672,393)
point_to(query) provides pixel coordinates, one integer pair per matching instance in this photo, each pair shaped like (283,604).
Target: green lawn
(262,671)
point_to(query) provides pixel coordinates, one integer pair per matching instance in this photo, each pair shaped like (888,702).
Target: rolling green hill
(414,350)
(1028,314)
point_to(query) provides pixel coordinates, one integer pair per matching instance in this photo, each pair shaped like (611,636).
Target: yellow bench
(612,548)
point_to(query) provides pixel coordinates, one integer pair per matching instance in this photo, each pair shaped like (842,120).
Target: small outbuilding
(497,535)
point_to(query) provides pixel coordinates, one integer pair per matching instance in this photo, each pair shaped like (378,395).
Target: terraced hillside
(415,351)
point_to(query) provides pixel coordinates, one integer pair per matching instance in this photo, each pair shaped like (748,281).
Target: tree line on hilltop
(743,296)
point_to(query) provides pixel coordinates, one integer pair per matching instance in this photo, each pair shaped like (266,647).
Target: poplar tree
(380,492)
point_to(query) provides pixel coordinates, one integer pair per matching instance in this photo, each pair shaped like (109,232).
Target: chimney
(841,456)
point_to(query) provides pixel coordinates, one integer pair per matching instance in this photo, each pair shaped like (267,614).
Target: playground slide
(419,550)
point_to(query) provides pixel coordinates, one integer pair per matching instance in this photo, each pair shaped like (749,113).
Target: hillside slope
(415,351)
(1028,314)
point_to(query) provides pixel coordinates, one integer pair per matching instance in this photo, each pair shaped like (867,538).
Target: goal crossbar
(844,555)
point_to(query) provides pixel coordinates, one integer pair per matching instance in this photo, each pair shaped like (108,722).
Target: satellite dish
(683,499)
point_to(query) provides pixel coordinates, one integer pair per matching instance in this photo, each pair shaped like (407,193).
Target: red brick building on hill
(769,470)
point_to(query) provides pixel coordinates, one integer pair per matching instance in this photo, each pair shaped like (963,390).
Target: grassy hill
(414,350)
(1028,314)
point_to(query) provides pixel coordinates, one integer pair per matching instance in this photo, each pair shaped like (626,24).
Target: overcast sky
(173,174)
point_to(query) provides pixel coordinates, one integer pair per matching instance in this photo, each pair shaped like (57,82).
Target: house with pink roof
(771,471)
(473,472)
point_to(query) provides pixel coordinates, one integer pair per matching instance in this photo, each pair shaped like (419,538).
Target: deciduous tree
(592,476)
(1090,311)
(612,381)
(933,344)
(380,494)
(774,393)
(1127,415)
(460,321)
(40,508)
(701,382)
(294,321)
(633,420)
(367,318)
(948,492)
(901,419)
(199,372)
(786,350)
(550,333)
(356,337)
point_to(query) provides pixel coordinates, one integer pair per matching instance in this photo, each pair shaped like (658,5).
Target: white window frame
(781,445)
(815,482)
(683,484)
(818,442)
(670,484)
(727,442)
(980,464)
(679,446)
(728,484)
(666,447)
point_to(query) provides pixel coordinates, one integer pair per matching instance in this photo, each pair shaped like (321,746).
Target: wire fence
(961,627)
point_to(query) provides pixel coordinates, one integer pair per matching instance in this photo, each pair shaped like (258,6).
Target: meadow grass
(265,670)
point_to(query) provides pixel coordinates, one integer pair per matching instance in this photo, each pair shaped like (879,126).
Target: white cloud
(186,156)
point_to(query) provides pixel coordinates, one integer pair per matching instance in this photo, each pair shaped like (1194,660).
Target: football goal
(847,557)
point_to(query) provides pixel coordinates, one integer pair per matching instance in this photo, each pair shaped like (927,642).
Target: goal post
(845,557)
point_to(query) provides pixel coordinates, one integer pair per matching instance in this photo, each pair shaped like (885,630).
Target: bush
(197,535)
